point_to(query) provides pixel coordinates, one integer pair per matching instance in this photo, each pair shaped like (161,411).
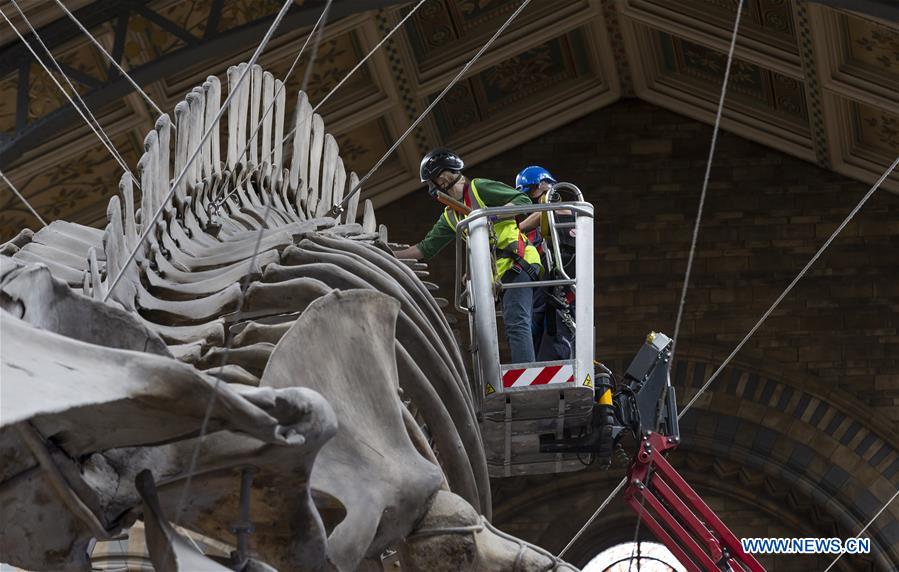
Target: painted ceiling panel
(810,80)
(8,93)
(77,187)
(873,49)
(445,31)
(335,58)
(236,13)
(771,21)
(147,40)
(767,91)
(190,15)
(877,130)
(362,146)
(524,80)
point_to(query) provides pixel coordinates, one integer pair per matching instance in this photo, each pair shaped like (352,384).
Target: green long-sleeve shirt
(493,193)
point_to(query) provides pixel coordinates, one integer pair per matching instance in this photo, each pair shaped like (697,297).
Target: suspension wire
(109,147)
(22,198)
(245,286)
(602,507)
(842,225)
(689,265)
(705,183)
(862,531)
(243,291)
(783,294)
(365,59)
(151,222)
(636,548)
(66,78)
(330,93)
(111,59)
(683,295)
(339,208)
(251,140)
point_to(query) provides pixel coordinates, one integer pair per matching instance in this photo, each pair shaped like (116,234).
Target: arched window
(635,557)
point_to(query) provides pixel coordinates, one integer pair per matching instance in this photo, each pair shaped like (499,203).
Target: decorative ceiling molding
(683,76)
(884,9)
(711,22)
(809,80)
(547,73)
(859,77)
(813,84)
(616,41)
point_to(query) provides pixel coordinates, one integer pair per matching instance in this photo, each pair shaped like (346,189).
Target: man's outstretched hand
(410,253)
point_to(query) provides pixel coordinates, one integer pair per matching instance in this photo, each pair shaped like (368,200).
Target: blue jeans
(538,318)
(518,306)
(559,346)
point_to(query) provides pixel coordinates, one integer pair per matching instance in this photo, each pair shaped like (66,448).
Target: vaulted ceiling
(808,79)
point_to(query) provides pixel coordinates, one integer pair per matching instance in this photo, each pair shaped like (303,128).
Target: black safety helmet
(437,161)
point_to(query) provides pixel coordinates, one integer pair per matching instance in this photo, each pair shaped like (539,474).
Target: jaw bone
(80,420)
(452,537)
(371,438)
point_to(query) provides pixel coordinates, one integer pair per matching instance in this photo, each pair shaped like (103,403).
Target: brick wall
(765,215)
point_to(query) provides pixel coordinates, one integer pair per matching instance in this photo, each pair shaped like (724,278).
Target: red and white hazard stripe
(538,375)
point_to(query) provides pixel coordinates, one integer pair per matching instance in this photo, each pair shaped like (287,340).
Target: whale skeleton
(261,367)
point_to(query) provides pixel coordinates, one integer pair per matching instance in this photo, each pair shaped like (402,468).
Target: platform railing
(480,295)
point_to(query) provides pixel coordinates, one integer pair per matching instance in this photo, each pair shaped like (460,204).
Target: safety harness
(515,250)
(516,253)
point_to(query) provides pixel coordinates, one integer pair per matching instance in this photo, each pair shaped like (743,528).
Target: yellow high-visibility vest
(507,233)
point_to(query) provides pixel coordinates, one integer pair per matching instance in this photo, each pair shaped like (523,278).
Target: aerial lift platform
(554,416)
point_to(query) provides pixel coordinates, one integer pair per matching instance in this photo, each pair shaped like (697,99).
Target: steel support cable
(22,198)
(683,295)
(362,61)
(151,222)
(68,81)
(601,508)
(767,313)
(243,290)
(636,542)
(110,58)
(705,183)
(789,288)
(339,208)
(229,341)
(862,531)
(702,195)
(109,147)
(251,140)
(330,93)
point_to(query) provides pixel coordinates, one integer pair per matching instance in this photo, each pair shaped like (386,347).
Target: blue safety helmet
(530,177)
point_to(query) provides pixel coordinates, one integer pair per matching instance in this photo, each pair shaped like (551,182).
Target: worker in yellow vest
(517,260)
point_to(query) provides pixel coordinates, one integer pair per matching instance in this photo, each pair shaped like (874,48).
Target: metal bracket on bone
(168,549)
(244,526)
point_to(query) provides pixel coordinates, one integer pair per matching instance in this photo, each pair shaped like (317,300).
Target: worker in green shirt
(517,261)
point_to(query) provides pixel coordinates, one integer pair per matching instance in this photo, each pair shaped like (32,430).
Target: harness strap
(523,265)
(535,237)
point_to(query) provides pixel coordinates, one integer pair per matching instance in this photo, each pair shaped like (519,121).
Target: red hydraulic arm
(678,517)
